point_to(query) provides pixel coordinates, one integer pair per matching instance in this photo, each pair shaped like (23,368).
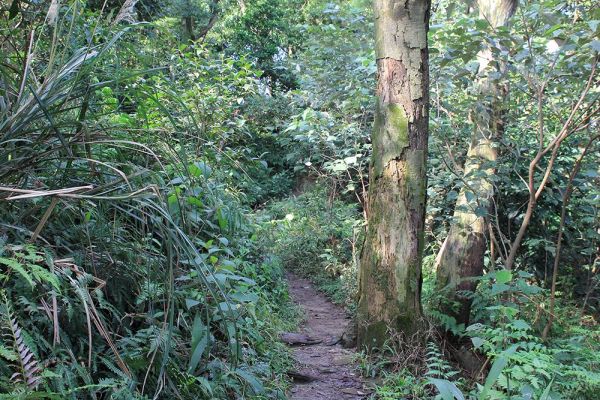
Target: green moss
(380,278)
(390,135)
(408,322)
(399,121)
(415,178)
(374,335)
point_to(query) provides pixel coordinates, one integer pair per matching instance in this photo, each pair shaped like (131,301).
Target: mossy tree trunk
(390,273)
(462,256)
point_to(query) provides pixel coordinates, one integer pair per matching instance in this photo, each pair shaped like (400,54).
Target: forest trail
(330,368)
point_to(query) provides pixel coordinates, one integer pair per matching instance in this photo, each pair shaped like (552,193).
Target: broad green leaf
(200,339)
(477,342)
(498,288)
(496,370)
(481,211)
(520,324)
(245,297)
(252,380)
(470,196)
(189,303)
(503,276)
(447,389)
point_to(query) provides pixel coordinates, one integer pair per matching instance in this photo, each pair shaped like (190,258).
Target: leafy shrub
(136,281)
(509,316)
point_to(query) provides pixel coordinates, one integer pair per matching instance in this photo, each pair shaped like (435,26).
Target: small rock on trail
(297,339)
(329,369)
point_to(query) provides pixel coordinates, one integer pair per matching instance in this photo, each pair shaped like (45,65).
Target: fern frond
(108,363)
(437,366)
(18,268)
(7,354)
(30,372)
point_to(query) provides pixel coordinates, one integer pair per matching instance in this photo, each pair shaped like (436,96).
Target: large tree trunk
(461,257)
(390,273)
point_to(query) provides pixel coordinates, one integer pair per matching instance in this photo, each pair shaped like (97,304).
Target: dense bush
(129,268)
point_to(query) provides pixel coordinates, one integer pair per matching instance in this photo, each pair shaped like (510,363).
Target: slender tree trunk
(390,273)
(189,24)
(214,16)
(566,198)
(188,28)
(461,259)
(575,122)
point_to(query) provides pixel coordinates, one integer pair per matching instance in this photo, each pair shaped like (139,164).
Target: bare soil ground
(325,371)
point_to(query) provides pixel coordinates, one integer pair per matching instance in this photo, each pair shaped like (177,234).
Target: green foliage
(511,308)
(401,385)
(329,132)
(524,365)
(526,49)
(132,264)
(316,235)
(24,362)
(268,32)
(521,364)
(144,278)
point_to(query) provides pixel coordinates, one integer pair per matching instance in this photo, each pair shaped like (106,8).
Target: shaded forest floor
(325,370)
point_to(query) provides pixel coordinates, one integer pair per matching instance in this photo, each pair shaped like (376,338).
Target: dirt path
(331,366)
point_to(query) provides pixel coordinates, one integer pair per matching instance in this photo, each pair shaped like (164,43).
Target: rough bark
(390,273)
(461,258)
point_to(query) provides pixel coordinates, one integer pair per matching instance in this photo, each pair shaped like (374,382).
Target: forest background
(164,161)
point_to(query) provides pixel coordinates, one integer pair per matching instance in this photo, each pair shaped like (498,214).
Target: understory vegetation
(164,162)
